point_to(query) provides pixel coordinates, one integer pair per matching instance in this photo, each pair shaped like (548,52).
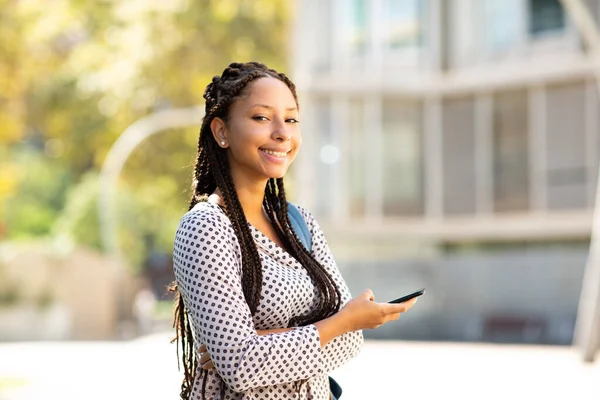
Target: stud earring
(222,143)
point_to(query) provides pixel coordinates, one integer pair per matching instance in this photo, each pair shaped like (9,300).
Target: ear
(219,132)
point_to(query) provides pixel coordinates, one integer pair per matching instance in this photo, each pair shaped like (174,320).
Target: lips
(275,153)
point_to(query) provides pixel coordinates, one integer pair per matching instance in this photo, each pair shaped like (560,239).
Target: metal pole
(587,326)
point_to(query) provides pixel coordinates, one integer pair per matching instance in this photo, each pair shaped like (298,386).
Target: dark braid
(211,172)
(329,294)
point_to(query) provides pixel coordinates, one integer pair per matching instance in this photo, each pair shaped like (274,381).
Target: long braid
(251,277)
(184,339)
(329,291)
(212,172)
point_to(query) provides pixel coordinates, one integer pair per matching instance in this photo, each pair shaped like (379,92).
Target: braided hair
(212,172)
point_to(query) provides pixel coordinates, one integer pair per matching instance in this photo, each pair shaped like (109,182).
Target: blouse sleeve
(208,273)
(347,346)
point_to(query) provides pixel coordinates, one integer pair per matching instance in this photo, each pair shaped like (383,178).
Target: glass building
(441,129)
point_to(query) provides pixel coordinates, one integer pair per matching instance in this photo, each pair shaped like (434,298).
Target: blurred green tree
(74,74)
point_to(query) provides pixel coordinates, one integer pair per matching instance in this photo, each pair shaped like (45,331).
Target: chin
(276,174)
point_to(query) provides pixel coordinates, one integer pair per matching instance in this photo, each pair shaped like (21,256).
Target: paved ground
(146,369)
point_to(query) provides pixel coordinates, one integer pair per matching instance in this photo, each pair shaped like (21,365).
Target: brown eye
(260,118)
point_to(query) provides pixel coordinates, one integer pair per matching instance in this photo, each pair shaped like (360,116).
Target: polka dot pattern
(290,365)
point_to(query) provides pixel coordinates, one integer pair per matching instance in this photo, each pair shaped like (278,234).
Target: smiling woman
(270,314)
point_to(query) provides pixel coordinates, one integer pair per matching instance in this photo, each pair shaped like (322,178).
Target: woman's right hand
(205,360)
(362,312)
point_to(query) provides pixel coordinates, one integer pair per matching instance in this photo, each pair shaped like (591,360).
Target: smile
(280,154)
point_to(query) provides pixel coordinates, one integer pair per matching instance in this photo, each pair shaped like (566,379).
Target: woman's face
(262,135)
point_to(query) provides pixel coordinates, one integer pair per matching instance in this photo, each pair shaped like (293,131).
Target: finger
(204,358)
(396,308)
(208,365)
(410,303)
(392,317)
(368,293)
(202,348)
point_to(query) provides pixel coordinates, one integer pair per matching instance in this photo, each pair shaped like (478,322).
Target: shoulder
(203,211)
(205,245)
(204,218)
(204,235)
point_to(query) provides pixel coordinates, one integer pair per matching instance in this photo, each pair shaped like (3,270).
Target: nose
(281,132)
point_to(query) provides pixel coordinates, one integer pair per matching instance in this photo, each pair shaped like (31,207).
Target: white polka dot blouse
(290,365)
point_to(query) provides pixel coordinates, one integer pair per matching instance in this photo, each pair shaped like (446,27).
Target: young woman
(269,317)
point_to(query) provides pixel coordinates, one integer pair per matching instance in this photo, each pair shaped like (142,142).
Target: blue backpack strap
(299,226)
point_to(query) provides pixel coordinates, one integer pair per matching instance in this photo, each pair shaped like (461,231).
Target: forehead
(269,91)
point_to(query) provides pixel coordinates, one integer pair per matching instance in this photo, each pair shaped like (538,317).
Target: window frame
(526,45)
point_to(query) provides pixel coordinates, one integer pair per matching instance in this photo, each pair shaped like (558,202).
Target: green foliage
(145,221)
(78,222)
(73,79)
(41,193)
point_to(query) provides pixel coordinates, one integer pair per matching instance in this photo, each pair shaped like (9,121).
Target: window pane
(459,156)
(402,158)
(356,159)
(545,16)
(566,157)
(357,28)
(502,22)
(405,24)
(511,151)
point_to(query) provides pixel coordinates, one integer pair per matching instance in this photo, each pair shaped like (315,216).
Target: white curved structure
(118,155)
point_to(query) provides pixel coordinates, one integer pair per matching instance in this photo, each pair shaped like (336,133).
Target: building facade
(443,134)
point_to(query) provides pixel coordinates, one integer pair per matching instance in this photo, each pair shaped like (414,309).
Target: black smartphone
(408,297)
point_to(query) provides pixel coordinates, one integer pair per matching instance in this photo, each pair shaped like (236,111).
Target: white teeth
(274,153)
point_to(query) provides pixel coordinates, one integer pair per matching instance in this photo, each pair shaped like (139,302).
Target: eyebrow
(270,108)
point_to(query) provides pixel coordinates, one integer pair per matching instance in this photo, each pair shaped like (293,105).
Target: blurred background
(448,144)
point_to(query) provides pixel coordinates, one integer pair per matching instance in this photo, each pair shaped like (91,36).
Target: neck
(251,194)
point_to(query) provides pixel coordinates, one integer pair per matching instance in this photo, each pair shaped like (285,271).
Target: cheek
(298,140)
(241,140)
(241,152)
(297,147)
